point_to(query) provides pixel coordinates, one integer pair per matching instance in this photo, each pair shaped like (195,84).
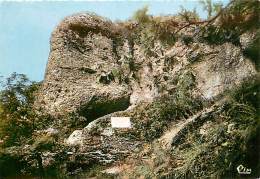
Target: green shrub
(210,7)
(10,164)
(241,16)
(219,35)
(16,115)
(189,16)
(187,39)
(217,153)
(141,15)
(151,121)
(150,29)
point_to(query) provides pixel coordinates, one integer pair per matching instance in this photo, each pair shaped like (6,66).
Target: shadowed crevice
(97,109)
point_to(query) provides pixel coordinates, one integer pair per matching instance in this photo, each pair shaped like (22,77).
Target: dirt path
(167,139)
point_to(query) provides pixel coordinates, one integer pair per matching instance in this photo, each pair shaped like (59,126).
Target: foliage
(151,29)
(218,35)
(10,164)
(189,16)
(230,139)
(187,39)
(17,117)
(22,131)
(223,24)
(147,39)
(156,116)
(211,8)
(18,121)
(213,148)
(141,15)
(234,20)
(164,31)
(242,15)
(144,171)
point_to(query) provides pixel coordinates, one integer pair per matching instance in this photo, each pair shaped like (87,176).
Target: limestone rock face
(222,68)
(94,68)
(80,66)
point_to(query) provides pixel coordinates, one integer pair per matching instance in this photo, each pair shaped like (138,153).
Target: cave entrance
(96,109)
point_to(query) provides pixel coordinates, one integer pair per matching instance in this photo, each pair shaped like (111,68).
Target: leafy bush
(189,16)
(240,16)
(210,7)
(150,29)
(141,15)
(219,35)
(16,116)
(10,164)
(187,39)
(156,116)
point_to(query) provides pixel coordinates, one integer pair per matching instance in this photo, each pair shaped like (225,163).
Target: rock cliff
(93,63)
(97,70)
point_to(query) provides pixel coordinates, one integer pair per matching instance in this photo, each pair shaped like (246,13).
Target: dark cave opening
(96,109)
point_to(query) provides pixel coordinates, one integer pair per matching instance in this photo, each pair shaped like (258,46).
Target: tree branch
(205,21)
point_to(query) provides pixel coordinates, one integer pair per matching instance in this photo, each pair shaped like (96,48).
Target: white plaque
(120,122)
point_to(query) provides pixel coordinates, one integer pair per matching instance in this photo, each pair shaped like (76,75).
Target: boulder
(75,139)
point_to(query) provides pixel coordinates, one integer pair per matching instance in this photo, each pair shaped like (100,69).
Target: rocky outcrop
(82,51)
(93,62)
(97,70)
